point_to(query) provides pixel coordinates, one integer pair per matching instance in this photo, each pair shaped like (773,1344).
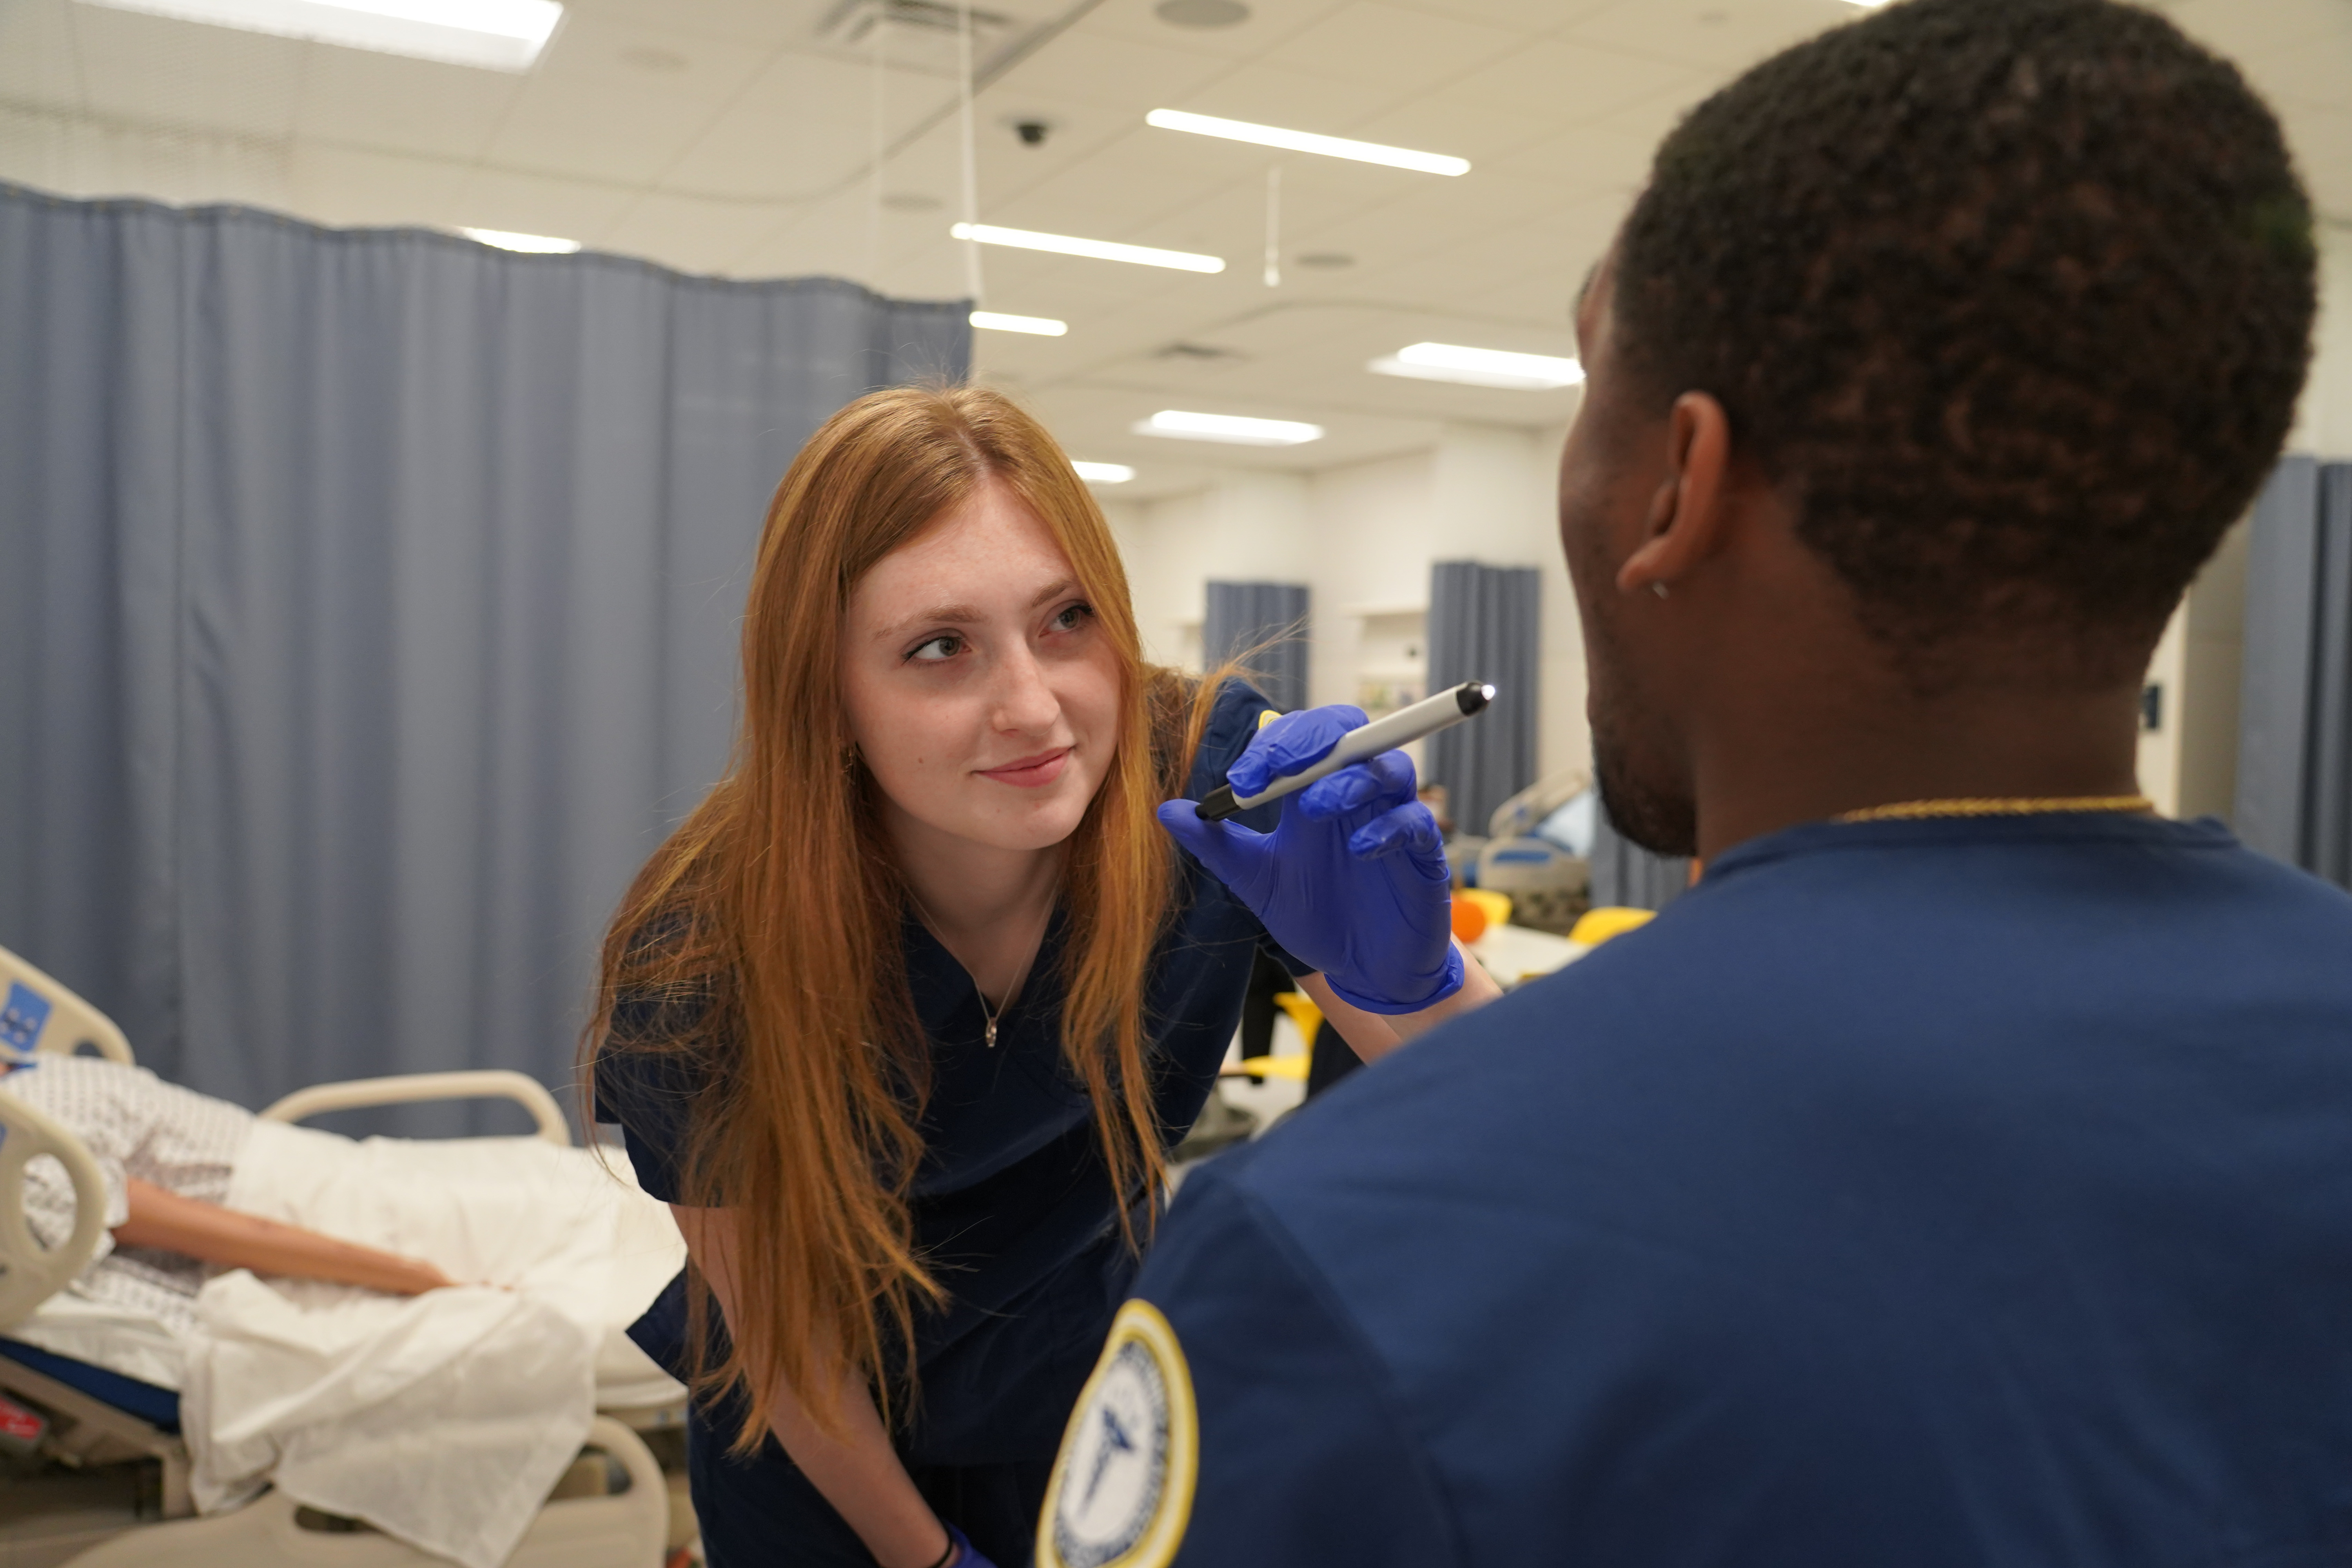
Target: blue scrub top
(1012,1205)
(1931,1193)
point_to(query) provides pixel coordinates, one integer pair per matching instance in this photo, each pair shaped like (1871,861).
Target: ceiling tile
(36,54)
(767,22)
(2235,27)
(1269,23)
(688,235)
(1375,43)
(1114,72)
(585,111)
(1454,126)
(1527,16)
(1325,101)
(359,187)
(800,128)
(389,102)
(153,71)
(1729,35)
(1563,82)
(538,204)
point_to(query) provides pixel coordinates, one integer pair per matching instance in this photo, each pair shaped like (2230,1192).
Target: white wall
(2324,418)
(2190,765)
(1362,537)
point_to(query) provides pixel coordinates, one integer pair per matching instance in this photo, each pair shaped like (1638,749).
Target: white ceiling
(732,137)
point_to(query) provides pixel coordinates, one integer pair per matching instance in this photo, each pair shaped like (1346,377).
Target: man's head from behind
(2000,307)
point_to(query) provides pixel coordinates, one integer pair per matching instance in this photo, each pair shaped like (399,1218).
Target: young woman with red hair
(904,1017)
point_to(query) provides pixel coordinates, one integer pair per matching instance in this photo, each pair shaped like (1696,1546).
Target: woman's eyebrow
(1055,592)
(931,617)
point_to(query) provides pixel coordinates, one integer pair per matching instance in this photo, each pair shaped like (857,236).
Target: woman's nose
(1024,700)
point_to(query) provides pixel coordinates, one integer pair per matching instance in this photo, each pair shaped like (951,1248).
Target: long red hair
(768,926)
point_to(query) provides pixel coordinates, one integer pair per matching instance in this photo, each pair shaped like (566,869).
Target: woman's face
(980,690)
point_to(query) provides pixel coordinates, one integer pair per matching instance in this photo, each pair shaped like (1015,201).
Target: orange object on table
(1469,919)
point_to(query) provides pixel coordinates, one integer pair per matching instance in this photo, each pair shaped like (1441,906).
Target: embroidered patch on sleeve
(1122,1492)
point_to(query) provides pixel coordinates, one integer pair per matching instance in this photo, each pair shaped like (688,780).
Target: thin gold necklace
(989,1015)
(1998,806)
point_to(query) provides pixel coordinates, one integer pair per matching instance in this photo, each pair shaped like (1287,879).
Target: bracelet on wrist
(955,1547)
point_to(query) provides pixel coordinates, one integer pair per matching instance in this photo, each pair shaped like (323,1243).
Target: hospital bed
(612,1510)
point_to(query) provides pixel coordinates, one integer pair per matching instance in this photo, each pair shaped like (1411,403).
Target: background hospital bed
(612,1509)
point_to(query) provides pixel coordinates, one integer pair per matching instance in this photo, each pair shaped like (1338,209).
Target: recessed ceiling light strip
(490,35)
(1481,367)
(1307,142)
(1103,473)
(1100,249)
(1186,426)
(533,244)
(1037,326)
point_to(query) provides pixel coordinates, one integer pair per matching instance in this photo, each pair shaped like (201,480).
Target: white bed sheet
(442,1419)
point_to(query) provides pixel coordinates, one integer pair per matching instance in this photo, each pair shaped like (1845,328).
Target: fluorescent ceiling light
(1103,473)
(1481,367)
(1307,142)
(998,321)
(1228,428)
(1867,4)
(507,240)
(1100,250)
(493,35)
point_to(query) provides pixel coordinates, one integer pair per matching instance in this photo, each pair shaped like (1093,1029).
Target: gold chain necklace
(1998,806)
(988,1014)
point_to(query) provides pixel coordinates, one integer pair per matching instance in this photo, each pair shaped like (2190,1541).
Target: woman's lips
(1030,772)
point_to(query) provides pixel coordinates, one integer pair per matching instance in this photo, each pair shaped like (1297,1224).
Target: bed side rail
(30,1274)
(412,1089)
(39,1013)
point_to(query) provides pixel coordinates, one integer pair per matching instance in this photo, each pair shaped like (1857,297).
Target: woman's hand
(1353,880)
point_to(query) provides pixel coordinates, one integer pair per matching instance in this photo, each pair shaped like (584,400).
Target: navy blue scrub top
(1013,1206)
(1938,1193)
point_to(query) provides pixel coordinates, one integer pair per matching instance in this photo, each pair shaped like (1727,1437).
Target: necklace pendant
(991,1033)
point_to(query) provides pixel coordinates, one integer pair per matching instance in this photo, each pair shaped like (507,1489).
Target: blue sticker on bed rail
(22,1019)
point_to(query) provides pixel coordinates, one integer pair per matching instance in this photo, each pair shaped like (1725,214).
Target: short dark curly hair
(2014,298)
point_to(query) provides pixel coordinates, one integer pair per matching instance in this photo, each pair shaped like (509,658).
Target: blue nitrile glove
(1352,881)
(966,1555)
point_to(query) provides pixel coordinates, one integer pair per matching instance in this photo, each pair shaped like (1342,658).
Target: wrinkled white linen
(442,1419)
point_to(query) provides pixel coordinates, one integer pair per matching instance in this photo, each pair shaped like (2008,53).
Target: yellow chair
(1309,1018)
(1598,926)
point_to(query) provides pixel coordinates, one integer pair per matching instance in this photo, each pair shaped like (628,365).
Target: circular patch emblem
(1121,1491)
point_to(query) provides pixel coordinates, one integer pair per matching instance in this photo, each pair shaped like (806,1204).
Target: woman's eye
(944,647)
(1072,617)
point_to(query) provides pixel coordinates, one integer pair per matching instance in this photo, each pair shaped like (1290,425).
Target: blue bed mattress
(157,1406)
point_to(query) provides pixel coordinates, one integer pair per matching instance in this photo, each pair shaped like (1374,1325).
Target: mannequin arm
(162,1219)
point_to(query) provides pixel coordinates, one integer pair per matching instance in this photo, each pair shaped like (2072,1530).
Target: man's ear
(1686,518)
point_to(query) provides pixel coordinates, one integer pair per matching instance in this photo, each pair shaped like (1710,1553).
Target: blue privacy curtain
(2295,711)
(368,609)
(1485,624)
(1264,626)
(1626,876)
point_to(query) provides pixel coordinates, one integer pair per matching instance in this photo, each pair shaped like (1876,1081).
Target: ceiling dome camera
(1031,132)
